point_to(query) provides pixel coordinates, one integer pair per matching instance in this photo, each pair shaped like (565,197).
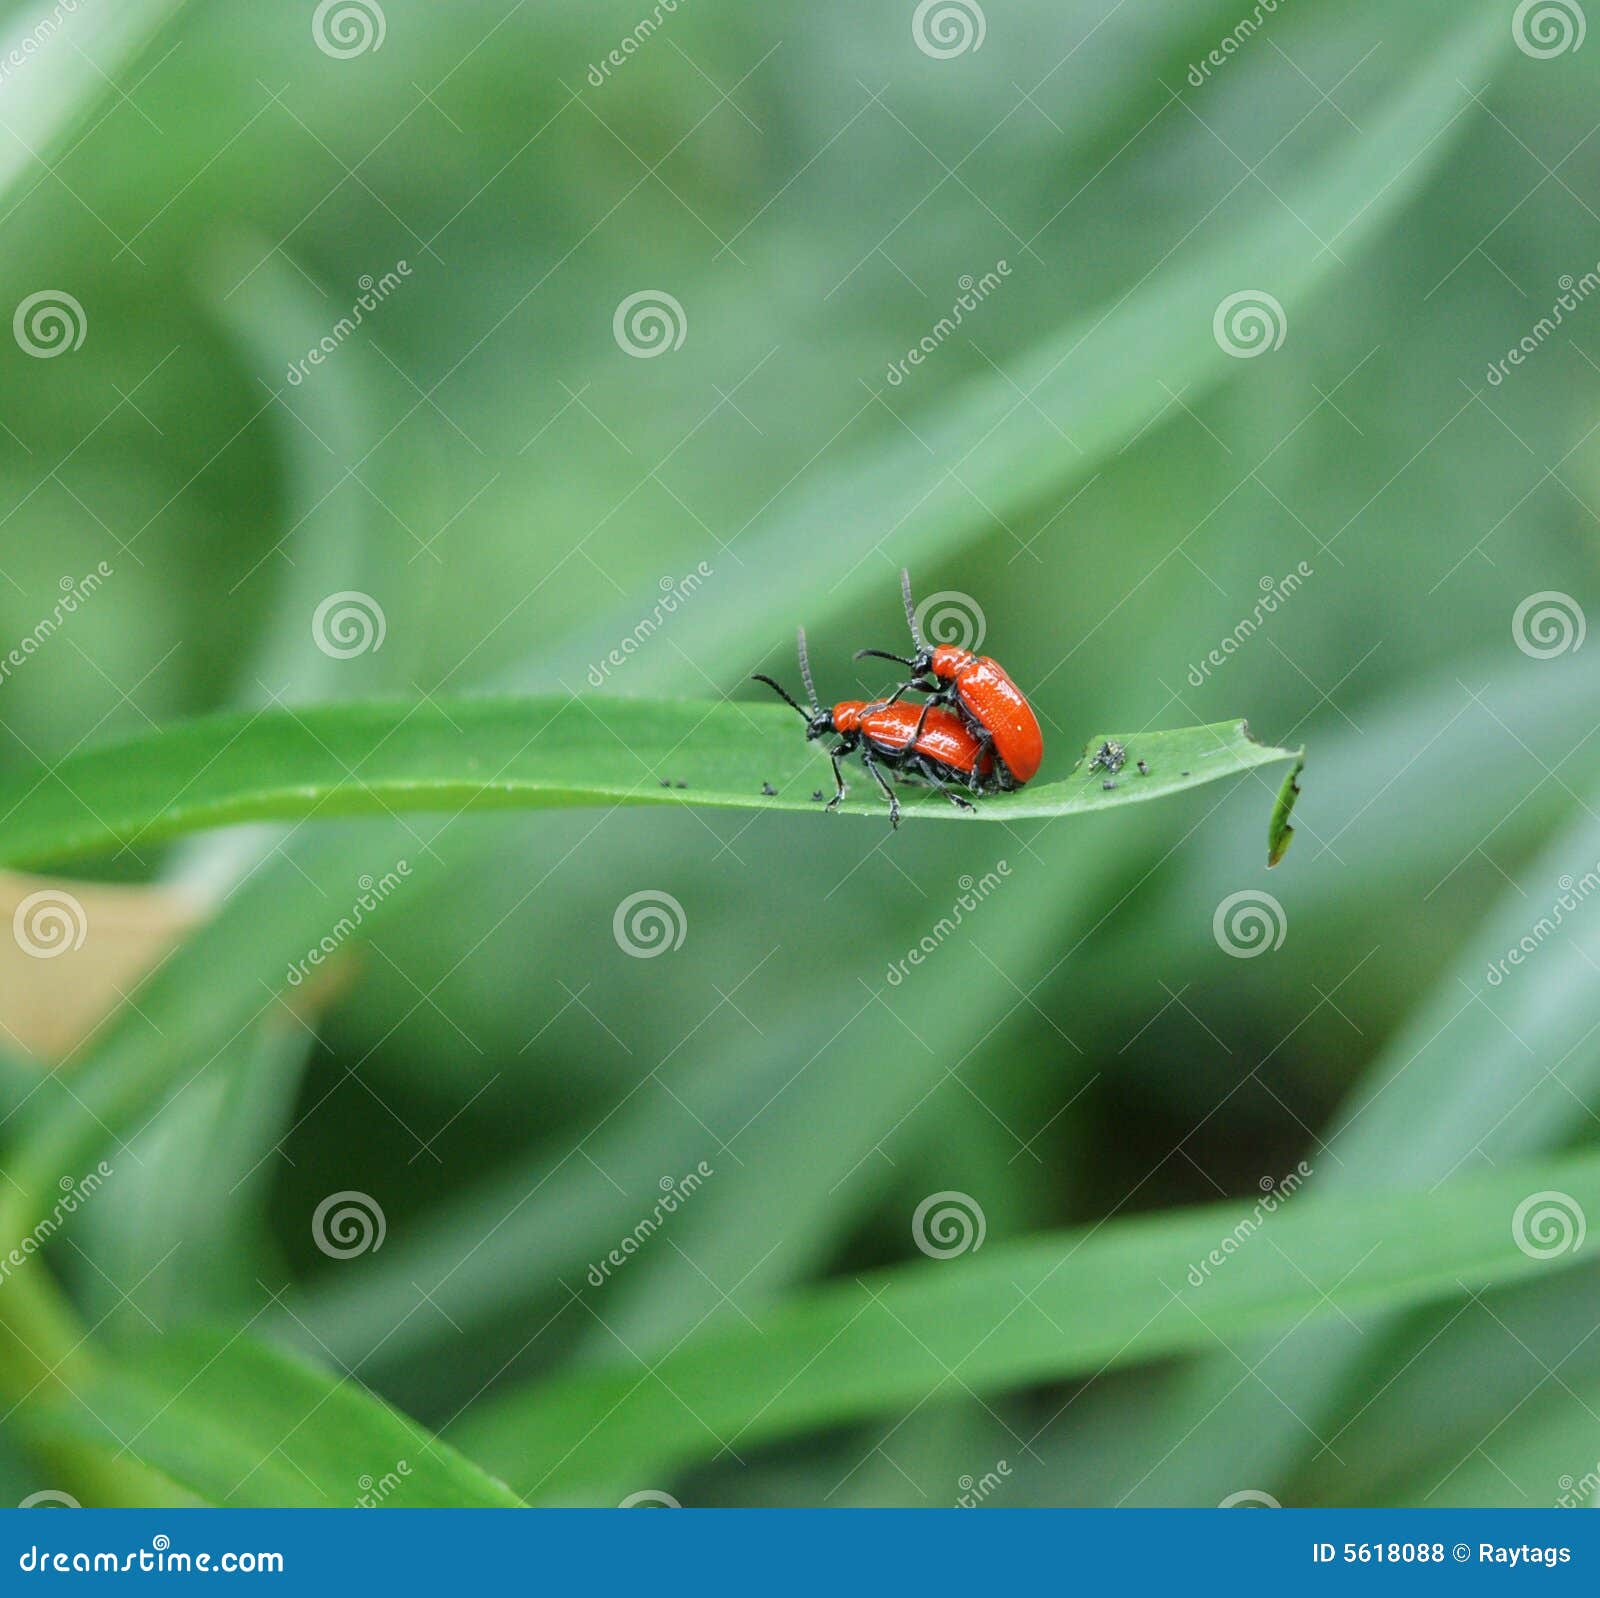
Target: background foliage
(1083,1058)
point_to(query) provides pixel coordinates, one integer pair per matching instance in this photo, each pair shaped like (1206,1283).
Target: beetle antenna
(911,609)
(883,654)
(805,671)
(781,692)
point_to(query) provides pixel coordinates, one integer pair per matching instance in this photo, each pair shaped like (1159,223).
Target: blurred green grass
(1083,459)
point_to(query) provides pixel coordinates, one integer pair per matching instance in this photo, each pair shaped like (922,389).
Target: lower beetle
(933,745)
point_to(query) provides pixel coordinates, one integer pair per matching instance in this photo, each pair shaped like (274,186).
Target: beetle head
(819,722)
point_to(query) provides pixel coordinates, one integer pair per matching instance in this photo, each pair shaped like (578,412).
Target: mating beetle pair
(975,728)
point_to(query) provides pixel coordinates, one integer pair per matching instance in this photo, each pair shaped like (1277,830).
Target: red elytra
(981,690)
(942,737)
(930,743)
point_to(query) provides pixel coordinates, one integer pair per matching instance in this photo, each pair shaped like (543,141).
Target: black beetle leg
(888,792)
(920,685)
(933,777)
(985,747)
(838,775)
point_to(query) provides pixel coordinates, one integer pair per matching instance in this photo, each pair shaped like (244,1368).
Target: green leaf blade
(240,1424)
(1116,1293)
(524,753)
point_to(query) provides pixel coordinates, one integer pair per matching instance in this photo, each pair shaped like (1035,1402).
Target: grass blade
(242,1425)
(62,82)
(533,753)
(1114,1294)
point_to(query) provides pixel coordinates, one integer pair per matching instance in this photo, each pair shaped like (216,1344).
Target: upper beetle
(981,690)
(934,745)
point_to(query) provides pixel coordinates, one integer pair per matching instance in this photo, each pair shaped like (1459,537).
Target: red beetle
(980,689)
(933,745)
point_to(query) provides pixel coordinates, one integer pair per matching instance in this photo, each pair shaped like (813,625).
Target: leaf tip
(1279,833)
